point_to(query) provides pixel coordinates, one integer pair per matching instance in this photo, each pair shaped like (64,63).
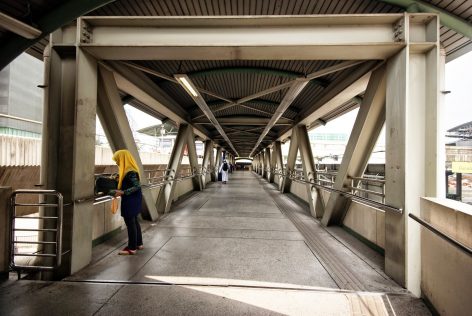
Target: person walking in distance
(129,188)
(224,169)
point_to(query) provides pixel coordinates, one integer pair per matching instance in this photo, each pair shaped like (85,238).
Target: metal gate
(42,230)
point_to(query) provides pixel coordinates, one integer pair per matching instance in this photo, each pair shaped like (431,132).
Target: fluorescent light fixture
(187,84)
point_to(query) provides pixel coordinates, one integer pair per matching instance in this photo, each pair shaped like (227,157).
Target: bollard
(5,194)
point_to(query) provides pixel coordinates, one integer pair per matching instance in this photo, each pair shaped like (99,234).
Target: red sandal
(127,252)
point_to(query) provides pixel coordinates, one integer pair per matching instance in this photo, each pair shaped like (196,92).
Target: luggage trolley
(55,229)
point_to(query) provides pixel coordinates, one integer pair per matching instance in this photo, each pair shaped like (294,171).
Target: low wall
(366,221)
(363,220)
(299,189)
(104,221)
(446,272)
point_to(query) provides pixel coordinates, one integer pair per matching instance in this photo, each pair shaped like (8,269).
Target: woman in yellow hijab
(129,188)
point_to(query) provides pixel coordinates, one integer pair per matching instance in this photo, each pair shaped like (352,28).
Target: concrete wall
(366,221)
(182,188)
(299,189)
(446,272)
(104,221)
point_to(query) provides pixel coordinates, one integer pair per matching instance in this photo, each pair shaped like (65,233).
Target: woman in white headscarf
(224,169)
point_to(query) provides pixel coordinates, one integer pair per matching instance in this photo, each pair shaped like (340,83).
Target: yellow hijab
(126,163)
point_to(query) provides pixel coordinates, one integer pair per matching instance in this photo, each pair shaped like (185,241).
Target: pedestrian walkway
(234,249)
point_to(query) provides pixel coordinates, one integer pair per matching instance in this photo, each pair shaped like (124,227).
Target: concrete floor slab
(24,298)
(274,224)
(230,260)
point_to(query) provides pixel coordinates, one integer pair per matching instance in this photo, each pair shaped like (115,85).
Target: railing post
(5,193)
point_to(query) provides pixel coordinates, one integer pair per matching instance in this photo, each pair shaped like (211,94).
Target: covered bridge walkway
(234,249)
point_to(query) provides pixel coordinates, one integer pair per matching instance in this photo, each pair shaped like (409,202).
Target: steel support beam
(192,91)
(68,148)
(119,134)
(412,167)
(279,160)
(147,92)
(250,38)
(218,161)
(289,97)
(243,120)
(369,122)
(291,160)
(197,181)
(267,159)
(212,165)
(273,162)
(18,27)
(448,19)
(166,193)
(309,171)
(207,154)
(62,14)
(337,94)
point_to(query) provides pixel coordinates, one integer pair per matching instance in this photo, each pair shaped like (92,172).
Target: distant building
(20,97)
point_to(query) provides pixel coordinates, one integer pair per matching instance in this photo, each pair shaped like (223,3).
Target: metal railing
(153,181)
(290,174)
(357,182)
(444,236)
(57,230)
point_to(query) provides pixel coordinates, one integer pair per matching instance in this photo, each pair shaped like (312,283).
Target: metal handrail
(444,236)
(58,230)
(169,179)
(355,187)
(363,179)
(382,206)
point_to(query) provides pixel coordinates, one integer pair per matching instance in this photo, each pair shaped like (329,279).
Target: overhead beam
(343,37)
(192,91)
(18,27)
(338,93)
(143,89)
(289,97)
(172,79)
(446,18)
(62,14)
(243,120)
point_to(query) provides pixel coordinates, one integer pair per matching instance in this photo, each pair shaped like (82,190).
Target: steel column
(367,127)
(279,160)
(166,193)
(219,152)
(309,170)
(412,168)
(273,162)
(206,160)
(267,165)
(212,164)
(68,150)
(116,126)
(193,161)
(291,160)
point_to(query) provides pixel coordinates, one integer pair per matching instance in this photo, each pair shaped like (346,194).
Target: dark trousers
(135,238)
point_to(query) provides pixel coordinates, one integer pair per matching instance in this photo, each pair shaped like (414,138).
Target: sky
(459,81)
